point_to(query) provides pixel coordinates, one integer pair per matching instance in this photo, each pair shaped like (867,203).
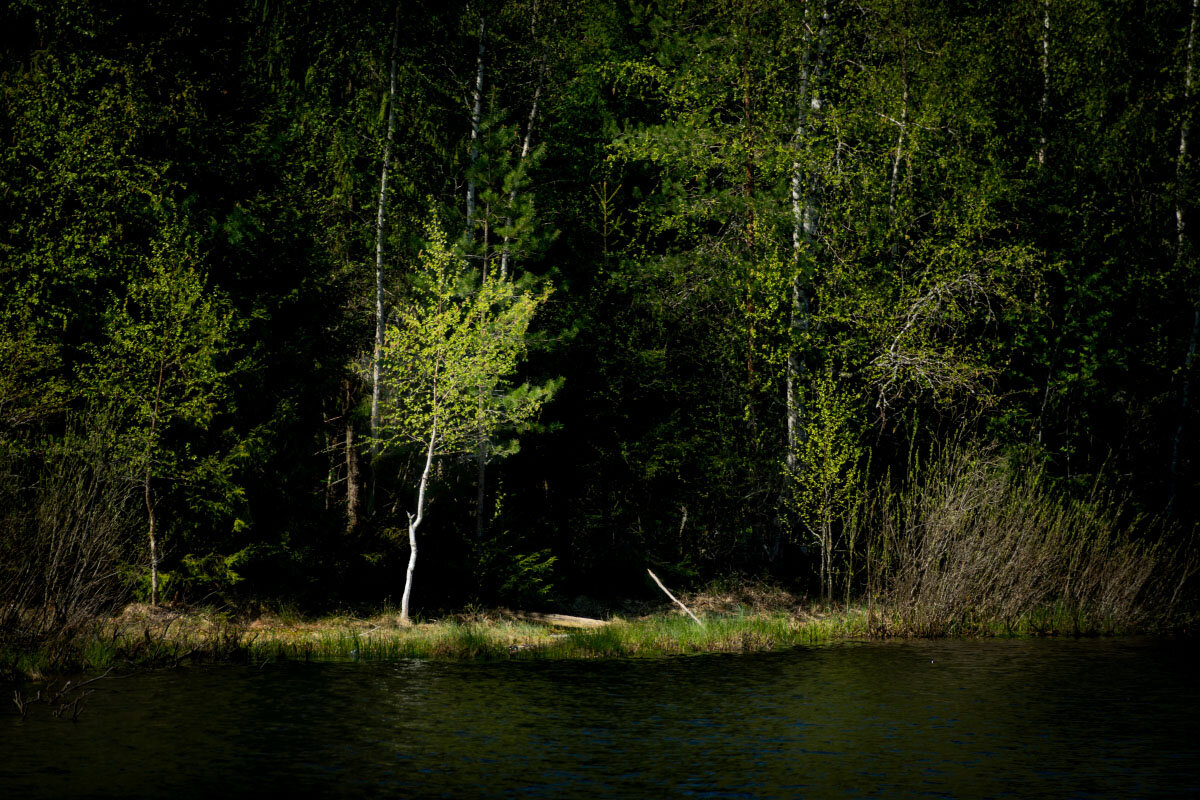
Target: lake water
(995,718)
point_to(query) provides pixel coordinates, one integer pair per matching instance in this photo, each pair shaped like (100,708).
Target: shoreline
(148,638)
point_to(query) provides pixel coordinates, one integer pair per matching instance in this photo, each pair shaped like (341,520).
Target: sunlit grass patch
(678,635)
(449,639)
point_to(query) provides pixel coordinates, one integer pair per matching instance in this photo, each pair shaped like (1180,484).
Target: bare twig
(675,599)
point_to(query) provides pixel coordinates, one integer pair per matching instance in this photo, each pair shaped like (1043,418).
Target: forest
(882,299)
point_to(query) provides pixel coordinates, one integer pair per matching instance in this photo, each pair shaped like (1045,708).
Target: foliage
(158,371)
(792,243)
(448,358)
(829,483)
(511,577)
(159,365)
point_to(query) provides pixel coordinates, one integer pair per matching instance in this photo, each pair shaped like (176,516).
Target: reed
(975,545)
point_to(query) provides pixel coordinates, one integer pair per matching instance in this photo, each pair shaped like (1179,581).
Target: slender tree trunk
(476,113)
(899,155)
(1043,112)
(353,482)
(748,194)
(1180,244)
(383,187)
(413,524)
(827,559)
(351,479)
(480,486)
(152,518)
(153,541)
(1045,104)
(481,448)
(330,447)
(804,227)
(525,147)
(894,188)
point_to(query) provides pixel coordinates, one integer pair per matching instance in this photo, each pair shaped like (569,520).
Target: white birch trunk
(476,112)
(383,185)
(804,227)
(153,543)
(413,524)
(1045,58)
(899,154)
(149,497)
(1180,163)
(894,188)
(1043,110)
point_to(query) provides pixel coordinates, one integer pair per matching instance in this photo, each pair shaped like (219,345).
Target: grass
(738,617)
(144,637)
(490,639)
(147,638)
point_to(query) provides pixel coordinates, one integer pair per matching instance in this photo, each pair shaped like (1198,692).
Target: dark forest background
(800,252)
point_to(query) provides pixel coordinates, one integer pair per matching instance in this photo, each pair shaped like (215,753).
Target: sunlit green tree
(447,366)
(160,369)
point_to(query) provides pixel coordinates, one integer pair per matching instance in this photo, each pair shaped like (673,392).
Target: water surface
(1087,718)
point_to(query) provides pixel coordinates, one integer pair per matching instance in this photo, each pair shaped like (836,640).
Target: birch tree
(476,119)
(447,365)
(379,216)
(501,222)
(1044,105)
(1180,243)
(804,223)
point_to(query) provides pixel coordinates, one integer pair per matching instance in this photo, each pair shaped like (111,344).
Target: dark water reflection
(1114,718)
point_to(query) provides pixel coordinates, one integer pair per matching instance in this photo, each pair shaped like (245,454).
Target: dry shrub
(741,595)
(63,537)
(974,543)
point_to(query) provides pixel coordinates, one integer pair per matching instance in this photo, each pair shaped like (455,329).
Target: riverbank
(145,637)
(163,639)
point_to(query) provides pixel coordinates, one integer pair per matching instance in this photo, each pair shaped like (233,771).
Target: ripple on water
(993,717)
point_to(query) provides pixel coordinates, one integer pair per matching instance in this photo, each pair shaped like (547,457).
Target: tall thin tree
(379,215)
(1180,164)
(476,113)
(1044,106)
(805,213)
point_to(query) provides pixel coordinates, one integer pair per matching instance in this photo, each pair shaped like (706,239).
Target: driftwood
(562,620)
(673,597)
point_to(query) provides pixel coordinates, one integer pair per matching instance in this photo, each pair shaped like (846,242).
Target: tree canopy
(794,247)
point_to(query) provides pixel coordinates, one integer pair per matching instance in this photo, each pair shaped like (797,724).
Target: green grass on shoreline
(513,639)
(150,638)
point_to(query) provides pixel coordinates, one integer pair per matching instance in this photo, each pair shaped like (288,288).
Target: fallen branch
(674,598)
(562,620)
